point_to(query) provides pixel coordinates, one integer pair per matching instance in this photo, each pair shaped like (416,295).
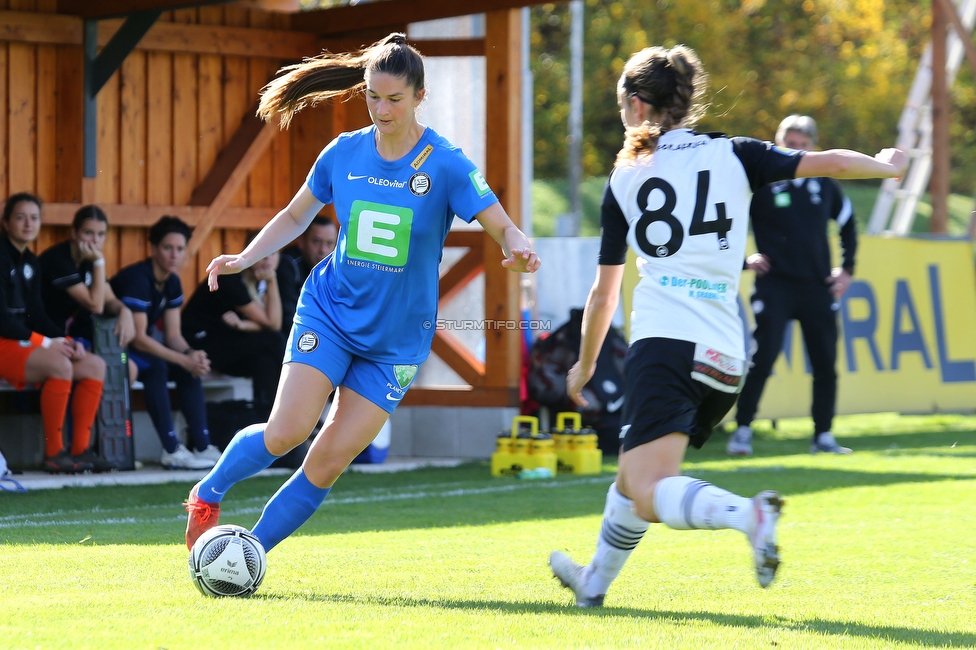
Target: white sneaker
(210,453)
(740,442)
(183,458)
(767,506)
(571,576)
(826,443)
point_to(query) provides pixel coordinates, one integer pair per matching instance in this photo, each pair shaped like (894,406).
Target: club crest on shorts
(419,183)
(308,341)
(404,374)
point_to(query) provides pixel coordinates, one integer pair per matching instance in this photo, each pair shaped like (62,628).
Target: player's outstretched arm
(519,256)
(283,228)
(601,303)
(847,164)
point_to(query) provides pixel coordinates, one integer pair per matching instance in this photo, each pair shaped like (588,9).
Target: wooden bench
(22,430)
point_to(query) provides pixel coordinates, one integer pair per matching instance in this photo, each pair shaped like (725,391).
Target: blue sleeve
(133,290)
(468,192)
(319,178)
(764,162)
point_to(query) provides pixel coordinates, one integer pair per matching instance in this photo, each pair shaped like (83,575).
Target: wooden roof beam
(393,13)
(27,27)
(100,66)
(116,8)
(229,171)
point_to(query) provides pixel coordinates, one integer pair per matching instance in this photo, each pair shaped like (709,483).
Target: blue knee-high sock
(288,509)
(245,456)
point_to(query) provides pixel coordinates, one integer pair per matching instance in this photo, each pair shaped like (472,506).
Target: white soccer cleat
(827,444)
(210,453)
(767,506)
(571,576)
(740,442)
(183,458)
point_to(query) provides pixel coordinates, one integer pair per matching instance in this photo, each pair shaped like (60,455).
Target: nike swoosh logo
(350,177)
(390,397)
(616,404)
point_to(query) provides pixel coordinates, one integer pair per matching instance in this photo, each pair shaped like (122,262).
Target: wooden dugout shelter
(171,89)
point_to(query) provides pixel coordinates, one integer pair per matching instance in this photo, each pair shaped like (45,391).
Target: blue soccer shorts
(383,384)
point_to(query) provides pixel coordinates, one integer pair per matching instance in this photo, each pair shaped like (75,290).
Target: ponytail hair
(673,82)
(329,75)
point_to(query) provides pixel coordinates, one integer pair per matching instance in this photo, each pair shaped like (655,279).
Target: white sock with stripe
(620,533)
(683,503)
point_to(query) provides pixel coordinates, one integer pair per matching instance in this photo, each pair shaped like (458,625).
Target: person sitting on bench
(36,352)
(152,290)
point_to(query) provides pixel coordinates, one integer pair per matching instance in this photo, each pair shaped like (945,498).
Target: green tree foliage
(847,63)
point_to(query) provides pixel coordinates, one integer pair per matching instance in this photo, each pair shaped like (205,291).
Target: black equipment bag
(551,359)
(225,419)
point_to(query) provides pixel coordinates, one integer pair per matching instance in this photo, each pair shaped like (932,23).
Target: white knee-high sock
(682,502)
(622,530)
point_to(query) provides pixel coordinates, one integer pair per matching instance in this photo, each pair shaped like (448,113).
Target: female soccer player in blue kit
(365,318)
(680,200)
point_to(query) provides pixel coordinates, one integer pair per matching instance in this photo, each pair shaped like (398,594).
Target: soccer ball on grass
(227,560)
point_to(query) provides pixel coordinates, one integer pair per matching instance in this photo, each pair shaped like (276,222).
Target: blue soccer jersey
(377,294)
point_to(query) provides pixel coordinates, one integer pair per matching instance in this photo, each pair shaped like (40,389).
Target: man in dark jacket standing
(794,280)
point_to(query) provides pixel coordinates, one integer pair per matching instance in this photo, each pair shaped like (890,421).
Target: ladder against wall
(894,209)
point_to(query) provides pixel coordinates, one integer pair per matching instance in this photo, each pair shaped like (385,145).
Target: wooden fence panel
(237,102)
(184,127)
(133,245)
(47,74)
(69,163)
(110,251)
(107,181)
(132,143)
(4,117)
(22,112)
(159,137)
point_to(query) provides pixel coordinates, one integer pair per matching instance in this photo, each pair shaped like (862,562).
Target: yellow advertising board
(907,333)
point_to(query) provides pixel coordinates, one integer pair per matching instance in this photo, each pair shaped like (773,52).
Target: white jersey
(685,211)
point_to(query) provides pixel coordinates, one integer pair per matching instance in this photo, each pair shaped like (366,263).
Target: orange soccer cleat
(203,516)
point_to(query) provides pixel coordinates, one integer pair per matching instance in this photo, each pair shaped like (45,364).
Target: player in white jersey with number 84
(680,200)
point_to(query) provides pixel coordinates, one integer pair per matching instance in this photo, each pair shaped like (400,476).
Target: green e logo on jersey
(379,233)
(479,182)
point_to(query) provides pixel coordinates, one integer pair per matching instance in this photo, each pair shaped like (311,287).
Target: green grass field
(879,551)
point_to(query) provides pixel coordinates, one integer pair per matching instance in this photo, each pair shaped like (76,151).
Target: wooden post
(939,184)
(503,96)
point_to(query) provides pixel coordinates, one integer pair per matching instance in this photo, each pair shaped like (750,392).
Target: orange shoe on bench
(203,516)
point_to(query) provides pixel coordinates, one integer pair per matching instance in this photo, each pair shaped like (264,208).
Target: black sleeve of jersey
(764,162)
(614,228)
(133,289)
(848,230)
(288,289)
(174,292)
(37,317)
(235,291)
(59,271)
(9,329)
